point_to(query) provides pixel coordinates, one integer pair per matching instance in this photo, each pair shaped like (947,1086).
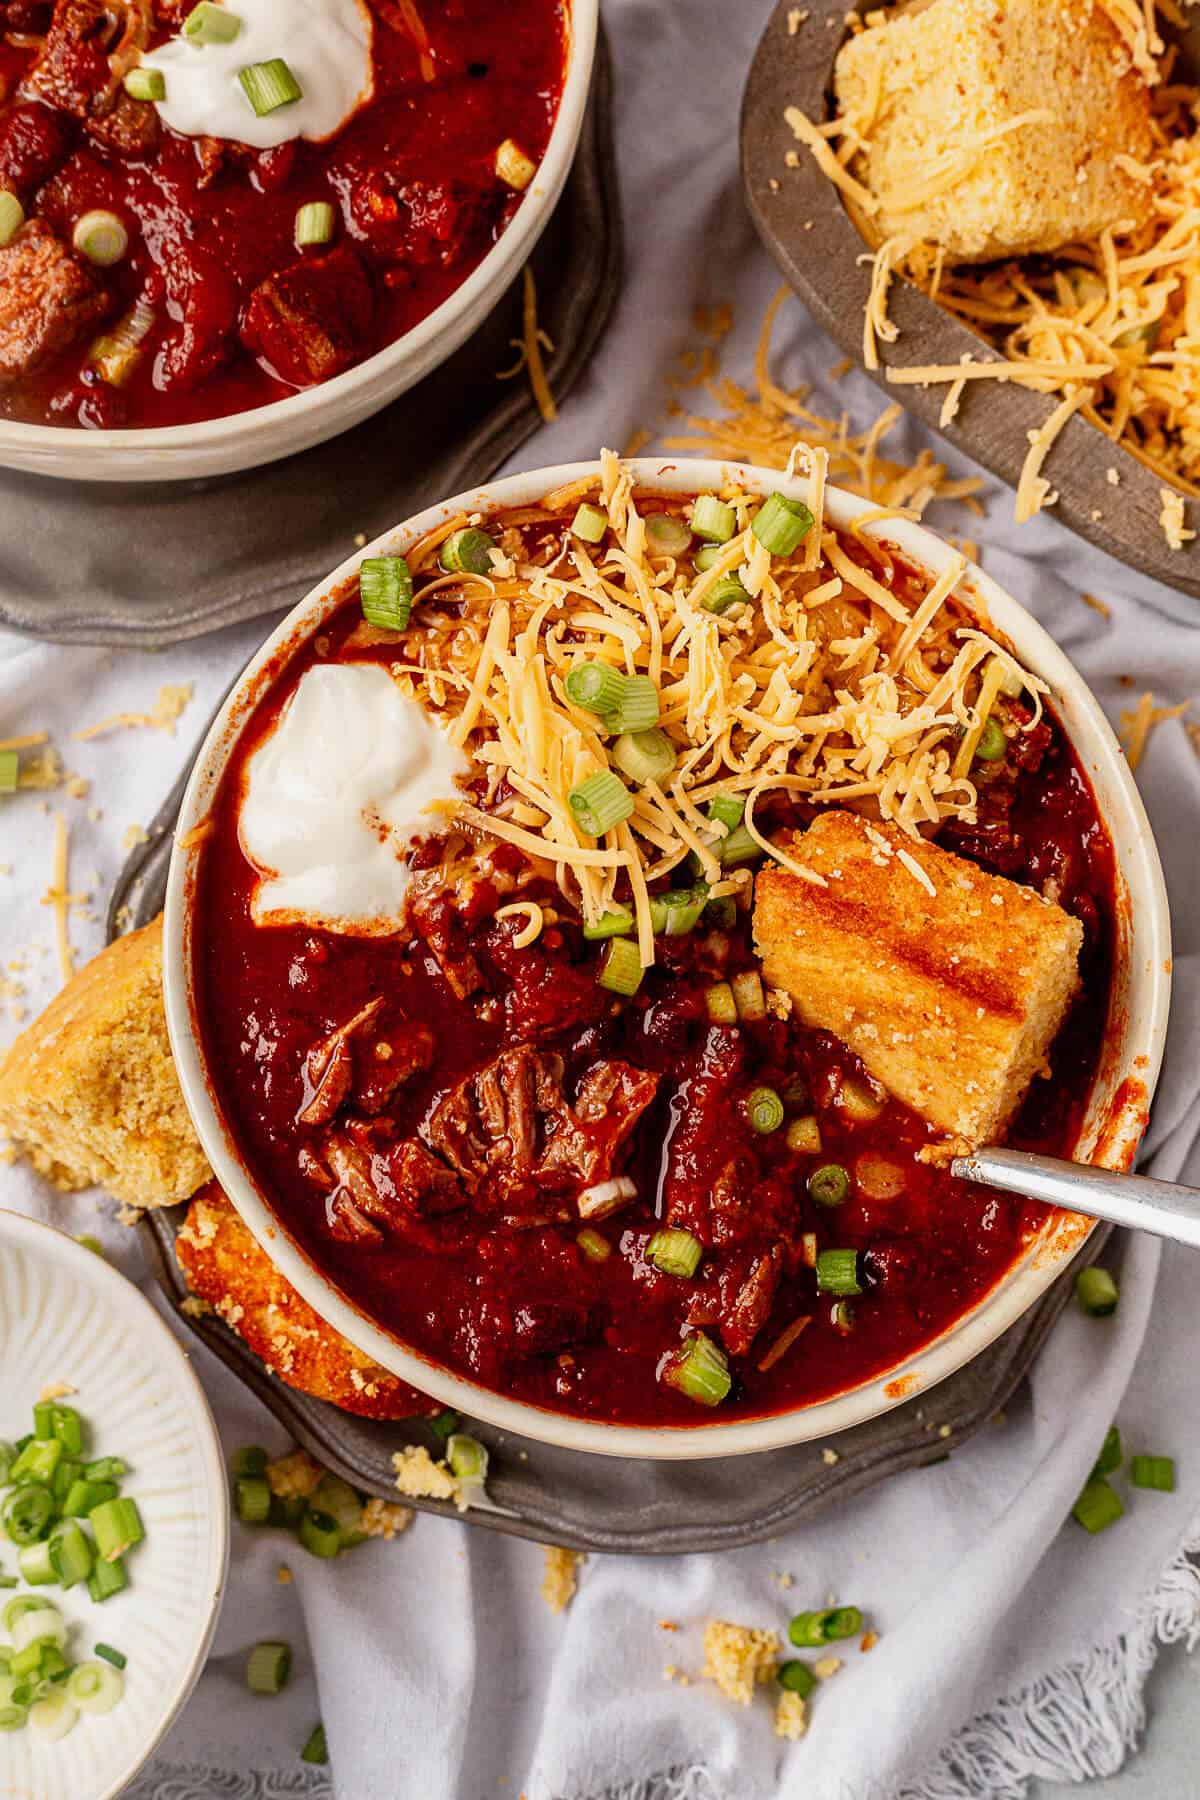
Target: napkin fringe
(1081,1720)
(193,1781)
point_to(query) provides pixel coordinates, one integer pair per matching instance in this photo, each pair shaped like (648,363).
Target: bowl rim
(510,251)
(1142,1036)
(117,1290)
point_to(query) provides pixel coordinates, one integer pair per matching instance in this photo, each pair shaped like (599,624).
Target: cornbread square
(89,1092)
(936,85)
(225,1266)
(951,999)
(736,1657)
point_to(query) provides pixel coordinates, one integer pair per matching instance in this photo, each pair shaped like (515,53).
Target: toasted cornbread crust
(89,1092)
(225,1266)
(948,72)
(951,1000)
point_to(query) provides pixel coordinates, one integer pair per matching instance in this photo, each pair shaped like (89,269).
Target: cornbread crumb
(830,1457)
(384,1519)
(283,1575)
(134,835)
(293,1477)
(869,1641)
(194,1307)
(671,1673)
(423,1479)
(1172,517)
(945,1431)
(737,1656)
(827,1666)
(560,1579)
(56,1390)
(791,1716)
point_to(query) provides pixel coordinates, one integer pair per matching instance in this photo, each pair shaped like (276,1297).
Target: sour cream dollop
(325,43)
(335,796)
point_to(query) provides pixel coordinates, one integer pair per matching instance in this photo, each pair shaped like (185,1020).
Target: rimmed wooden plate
(804,225)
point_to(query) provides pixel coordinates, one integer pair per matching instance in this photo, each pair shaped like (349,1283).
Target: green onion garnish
(319,1534)
(70,1553)
(1097,1507)
(618,921)
(43,1420)
(1110,1454)
(728,591)
(600,803)
(105,1468)
(749,996)
(107,1579)
(252,1499)
(727,809)
(116,1526)
(720,1004)
(594,1244)
(1096,1292)
(101,237)
(209,24)
(638,708)
(315,1750)
(675,1252)
(809,1630)
(644,755)
(145,84)
(738,847)
(314,223)
(621,968)
(467,1457)
(837,1272)
(796,1677)
(705,557)
(110,1655)
(385,591)
(596,686)
(992,743)
(764,1110)
(1157,1472)
(512,165)
(339,1502)
(678,911)
(699,1370)
(250,1460)
(38,1461)
(12,216)
(268,1667)
(95,1687)
(91,1243)
(10,765)
(68,1429)
(36,1565)
(713,519)
(467,552)
(445,1423)
(781,525)
(829,1184)
(665,535)
(269,85)
(27,1513)
(590,524)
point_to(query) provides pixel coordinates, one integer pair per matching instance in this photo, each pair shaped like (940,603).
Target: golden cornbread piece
(89,1092)
(736,1657)
(936,86)
(951,999)
(225,1265)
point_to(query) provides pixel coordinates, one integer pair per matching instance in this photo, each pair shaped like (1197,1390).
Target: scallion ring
(269,85)
(589,524)
(992,745)
(837,1272)
(145,84)
(638,708)
(713,519)
(600,803)
(644,755)
(596,686)
(666,535)
(467,552)
(314,223)
(829,1184)
(675,1252)
(210,24)
(781,525)
(700,1370)
(728,591)
(101,237)
(385,591)
(764,1110)
(621,967)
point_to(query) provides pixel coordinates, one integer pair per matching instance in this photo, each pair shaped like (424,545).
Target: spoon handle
(1164,1207)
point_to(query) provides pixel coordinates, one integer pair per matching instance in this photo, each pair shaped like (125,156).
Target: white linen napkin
(1011,1645)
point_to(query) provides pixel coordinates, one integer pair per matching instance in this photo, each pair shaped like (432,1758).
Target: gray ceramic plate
(822,264)
(597,1502)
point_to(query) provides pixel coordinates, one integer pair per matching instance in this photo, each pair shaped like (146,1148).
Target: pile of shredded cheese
(827,688)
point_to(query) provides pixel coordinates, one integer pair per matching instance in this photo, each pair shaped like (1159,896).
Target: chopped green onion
(728,810)
(106,1468)
(315,1750)
(705,557)
(644,755)
(28,1512)
(467,1457)
(513,167)
(250,1460)
(25,1603)
(54,1665)
(992,743)
(1096,1292)
(666,535)
(340,1502)
(54,1715)
(38,1461)
(728,591)
(107,1579)
(596,686)
(70,1553)
(67,1427)
(713,519)
(12,216)
(385,591)
(36,1566)
(600,803)
(700,1370)
(1110,1454)
(1097,1507)
(675,1252)
(101,237)
(590,524)
(7,1581)
(829,1184)
(618,921)
(621,967)
(8,1457)
(84,1496)
(145,84)
(38,1624)
(764,1110)
(91,1243)
(269,85)
(467,552)
(320,1534)
(268,1667)
(678,911)
(841,1317)
(27,1661)
(314,224)
(721,1005)
(210,24)
(638,708)
(594,1244)
(781,525)
(748,996)
(13,1712)
(445,1423)
(738,847)
(809,1630)
(117,1526)
(252,1499)
(95,1687)
(1157,1472)
(68,1472)
(796,1677)
(43,1421)
(837,1272)
(111,1656)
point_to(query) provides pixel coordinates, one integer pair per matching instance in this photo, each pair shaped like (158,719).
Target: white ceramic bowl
(248,439)
(65,1315)
(1115,1120)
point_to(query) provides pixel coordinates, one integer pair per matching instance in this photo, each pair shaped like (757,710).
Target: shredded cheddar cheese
(532,341)
(1138,723)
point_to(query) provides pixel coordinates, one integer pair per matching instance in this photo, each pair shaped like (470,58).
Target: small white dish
(67,1316)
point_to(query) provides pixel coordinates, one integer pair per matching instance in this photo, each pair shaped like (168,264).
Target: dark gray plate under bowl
(597,1502)
(822,264)
(148,565)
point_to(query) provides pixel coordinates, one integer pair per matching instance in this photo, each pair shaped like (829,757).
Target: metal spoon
(1164,1207)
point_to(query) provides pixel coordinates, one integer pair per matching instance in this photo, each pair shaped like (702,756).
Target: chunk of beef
(130,128)
(34,140)
(329,1068)
(48,300)
(203,300)
(89,47)
(406,1050)
(752,1302)
(588,1142)
(409,220)
(378,1190)
(312,320)
(435,918)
